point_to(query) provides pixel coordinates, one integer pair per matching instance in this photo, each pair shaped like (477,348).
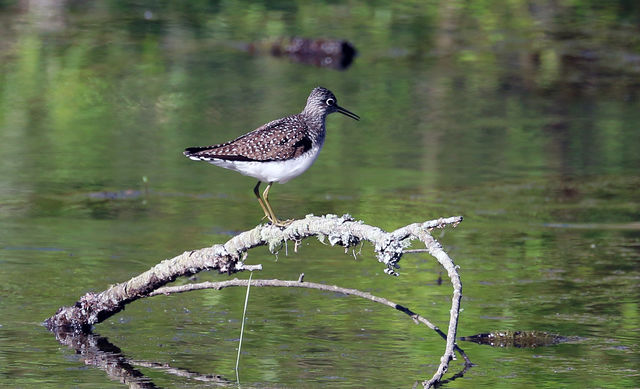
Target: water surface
(523,119)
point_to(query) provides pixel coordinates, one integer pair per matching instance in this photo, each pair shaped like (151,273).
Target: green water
(522,118)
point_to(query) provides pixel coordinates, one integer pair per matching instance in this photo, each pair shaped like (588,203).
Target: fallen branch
(229,258)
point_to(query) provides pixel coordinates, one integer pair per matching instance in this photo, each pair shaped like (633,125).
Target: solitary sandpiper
(277,151)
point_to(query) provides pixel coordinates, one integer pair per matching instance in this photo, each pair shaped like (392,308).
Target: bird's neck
(315,120)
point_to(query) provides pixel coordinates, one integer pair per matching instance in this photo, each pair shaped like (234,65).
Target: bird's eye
(330,101)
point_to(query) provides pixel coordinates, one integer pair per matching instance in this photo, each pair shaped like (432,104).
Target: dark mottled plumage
(278,140)
(279,150)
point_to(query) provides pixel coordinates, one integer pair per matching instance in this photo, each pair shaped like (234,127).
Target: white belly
(274,171)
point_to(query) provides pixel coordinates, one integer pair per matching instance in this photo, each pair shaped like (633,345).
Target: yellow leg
(273,218)
(256,191)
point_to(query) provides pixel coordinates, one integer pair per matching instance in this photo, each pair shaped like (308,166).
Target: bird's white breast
(272,171)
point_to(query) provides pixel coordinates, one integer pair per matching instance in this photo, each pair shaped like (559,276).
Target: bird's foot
(281,223)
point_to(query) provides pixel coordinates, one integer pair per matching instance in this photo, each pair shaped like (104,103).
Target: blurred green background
(521,116)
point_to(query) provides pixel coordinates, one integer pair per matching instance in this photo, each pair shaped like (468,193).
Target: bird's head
(322,101)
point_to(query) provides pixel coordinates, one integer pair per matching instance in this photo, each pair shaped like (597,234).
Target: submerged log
(518,339)
(321,52)
(331,53)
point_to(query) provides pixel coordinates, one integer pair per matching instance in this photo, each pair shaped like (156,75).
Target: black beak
(347,113)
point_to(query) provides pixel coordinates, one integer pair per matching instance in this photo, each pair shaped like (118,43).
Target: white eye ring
(330,101)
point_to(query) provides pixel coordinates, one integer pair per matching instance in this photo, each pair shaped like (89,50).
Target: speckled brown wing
(278,140)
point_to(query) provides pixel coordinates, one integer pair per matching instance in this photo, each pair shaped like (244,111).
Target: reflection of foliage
(461,91)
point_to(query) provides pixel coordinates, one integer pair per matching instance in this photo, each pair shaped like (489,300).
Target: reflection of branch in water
(215,378)
(454,377)
(99,352)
